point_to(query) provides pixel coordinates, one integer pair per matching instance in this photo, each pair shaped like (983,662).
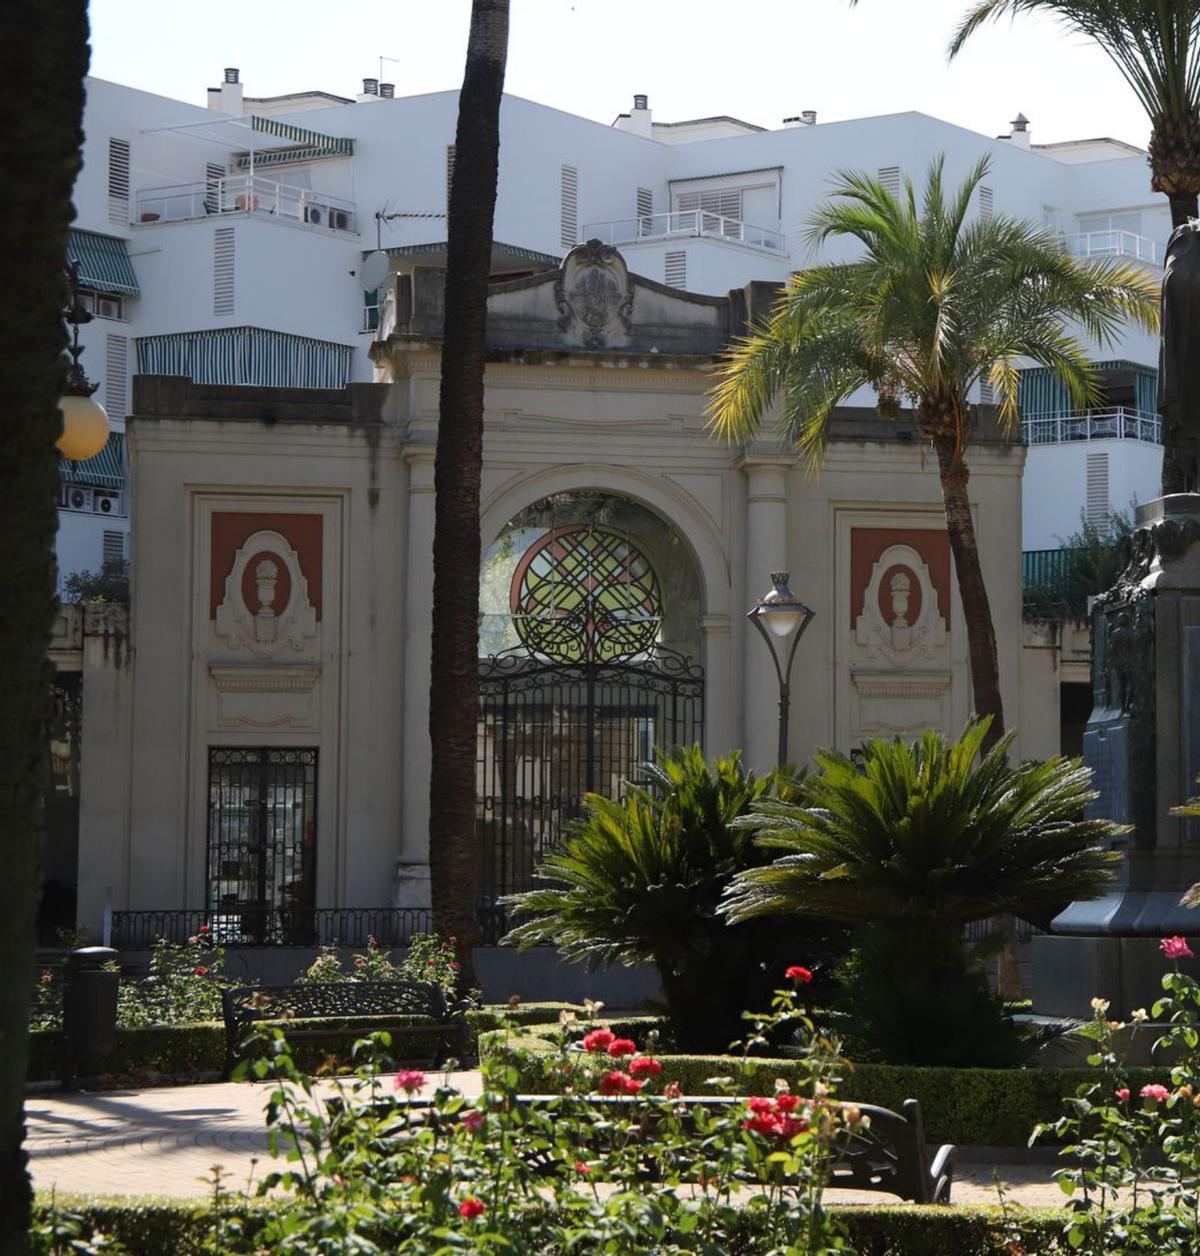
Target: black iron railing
(979,930)
(279,927)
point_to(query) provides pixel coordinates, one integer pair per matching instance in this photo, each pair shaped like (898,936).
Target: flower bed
(990,1107)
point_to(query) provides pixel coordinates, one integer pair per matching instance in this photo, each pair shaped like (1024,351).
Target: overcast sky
(759,60)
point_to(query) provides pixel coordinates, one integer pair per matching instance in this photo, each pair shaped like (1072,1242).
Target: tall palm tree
(43,58)
(934,305)
(1156,46)
(454,675)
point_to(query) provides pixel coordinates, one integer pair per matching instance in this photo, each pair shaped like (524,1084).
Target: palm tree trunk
(1183,207)
(981,646)
(41,97)
(454,675)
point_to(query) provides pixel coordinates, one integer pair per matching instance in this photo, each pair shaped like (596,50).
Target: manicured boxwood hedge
(159,1227)
(198,1049)
(991,1107)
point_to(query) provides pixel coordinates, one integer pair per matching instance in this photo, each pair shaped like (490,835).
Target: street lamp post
(85,424)
(779,615)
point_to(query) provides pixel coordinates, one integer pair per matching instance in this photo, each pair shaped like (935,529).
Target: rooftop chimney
(638,120)
(370,87)
(1020,131)
(228,97)
(387,91)
(808,117)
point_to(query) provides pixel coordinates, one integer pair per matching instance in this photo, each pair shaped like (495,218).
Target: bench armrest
(941,1173)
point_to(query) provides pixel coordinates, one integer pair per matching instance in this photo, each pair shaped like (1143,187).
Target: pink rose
(1175,948)
(409,1080)
(472,1119)
(1155,1093)
(1123,1094)
(799,974)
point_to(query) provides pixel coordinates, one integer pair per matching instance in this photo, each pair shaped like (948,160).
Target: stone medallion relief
(901,620)
(594,296)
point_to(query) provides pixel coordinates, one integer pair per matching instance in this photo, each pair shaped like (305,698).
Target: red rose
(760,1105)
(790,1126)
(598,1040)
(614,1082)
(786,1102)
(471,1208)
(454,965)
(201,971)
(672,1090)
(764,1124)
(643,1066)
(622,1046)
(580,1167)
(47,977)
(472,1119)
(799,974)
(204,929)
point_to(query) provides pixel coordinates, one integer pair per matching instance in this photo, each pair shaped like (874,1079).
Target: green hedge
(991,1107)
(160,1227)
(198,1049)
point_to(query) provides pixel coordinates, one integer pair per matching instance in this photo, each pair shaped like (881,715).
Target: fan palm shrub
(934,305)
(639,881)
(923,838)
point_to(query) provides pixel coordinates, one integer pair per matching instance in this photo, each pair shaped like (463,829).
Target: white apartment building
(223,243)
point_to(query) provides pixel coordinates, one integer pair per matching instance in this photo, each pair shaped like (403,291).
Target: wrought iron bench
(890,1156)
(244,1006)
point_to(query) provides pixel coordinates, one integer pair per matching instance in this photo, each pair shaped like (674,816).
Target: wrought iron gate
(262,844)
(549,733)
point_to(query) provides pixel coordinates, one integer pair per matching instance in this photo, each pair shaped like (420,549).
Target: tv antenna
(382,59)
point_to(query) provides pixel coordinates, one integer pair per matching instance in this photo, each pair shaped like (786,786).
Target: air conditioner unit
(75,498)
(339,219)
(108,307)
(104,503)
(312,214)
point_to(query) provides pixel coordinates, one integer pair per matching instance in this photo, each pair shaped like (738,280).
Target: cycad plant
(922,839)
(936,302)
(638,881)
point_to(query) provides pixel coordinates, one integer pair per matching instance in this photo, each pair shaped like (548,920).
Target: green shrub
(979,1106)
(427,959)
(160,1227)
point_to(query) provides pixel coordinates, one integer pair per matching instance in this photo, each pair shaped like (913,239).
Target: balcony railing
(1113,244)
(683,223)
(245,194)
(1113,423)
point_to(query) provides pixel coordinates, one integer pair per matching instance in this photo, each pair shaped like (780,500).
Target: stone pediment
(593,302)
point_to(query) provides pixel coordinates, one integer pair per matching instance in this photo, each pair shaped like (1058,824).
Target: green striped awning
(103,262)
(310,144)
(106,469)
(246,355)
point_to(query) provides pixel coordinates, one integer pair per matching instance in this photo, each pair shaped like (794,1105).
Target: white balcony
(1111,423)
(648,228)
(245,194)
(1125,244)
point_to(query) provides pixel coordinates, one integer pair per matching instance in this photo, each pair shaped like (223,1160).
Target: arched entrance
(589,662)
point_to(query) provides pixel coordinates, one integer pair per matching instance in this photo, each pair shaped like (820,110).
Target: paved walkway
(166,1141)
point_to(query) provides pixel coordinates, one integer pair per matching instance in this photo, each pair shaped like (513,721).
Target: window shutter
(568,192)
(889,177)
(116,376)
(645,211)
(987,393)
(714,204)
(223,277)
(118,181)
(449,172)
(986,203)
(1097,489)
(114,547)
(213,174)
(676,269)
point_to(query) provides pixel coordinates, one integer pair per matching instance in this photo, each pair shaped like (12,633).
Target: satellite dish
(373,270)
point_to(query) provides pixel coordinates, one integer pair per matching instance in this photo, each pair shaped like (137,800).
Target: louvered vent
(118,181)
(449,171)
(116,376)
(568,193)
(114,547)
(889,177)
(1097,489)
(645,211)
(987,393)
(676,269)
(213,174)
(987,203)
(223,278)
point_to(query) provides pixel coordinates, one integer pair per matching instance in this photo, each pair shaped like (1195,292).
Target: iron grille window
(262,807)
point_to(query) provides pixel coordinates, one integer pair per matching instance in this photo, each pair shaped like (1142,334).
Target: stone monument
(1143,737)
